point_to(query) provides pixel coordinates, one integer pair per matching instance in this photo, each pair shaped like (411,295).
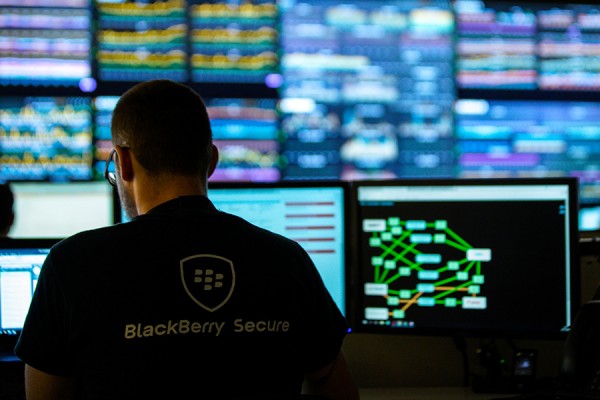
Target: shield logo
(208,280)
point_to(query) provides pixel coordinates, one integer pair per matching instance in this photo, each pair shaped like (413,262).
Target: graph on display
(142,40)
(43,138)
(543,46)
(45,42)
(378,74)
(569,47)
(233,41)
(496,46)
(408,273)
(245,132)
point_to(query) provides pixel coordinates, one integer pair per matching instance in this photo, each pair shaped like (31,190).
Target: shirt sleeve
(43,341)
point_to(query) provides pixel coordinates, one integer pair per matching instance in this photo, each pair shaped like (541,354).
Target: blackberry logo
(208,280)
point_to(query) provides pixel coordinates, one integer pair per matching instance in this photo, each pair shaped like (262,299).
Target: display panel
(545,46)
(569,47)
(57,210)
(466,257)
(499,139)
(141,40)
(45,138)
(20,264)
(233,41)
(45,42)
(496,45)
(367,88)
(312,215)
(245,132)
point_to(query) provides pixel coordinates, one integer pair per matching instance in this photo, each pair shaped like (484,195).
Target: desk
(426,393)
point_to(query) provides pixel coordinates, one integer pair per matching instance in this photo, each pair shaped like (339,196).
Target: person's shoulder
(90,238)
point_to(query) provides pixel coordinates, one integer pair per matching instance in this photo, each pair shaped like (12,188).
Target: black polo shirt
(184,300)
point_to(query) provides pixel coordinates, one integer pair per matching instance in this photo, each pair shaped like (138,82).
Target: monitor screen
(311,214)
(233,41)
(138,41)
(45,138)
(20,264)
(527,138)
(45,42)
(245,132)
(529,45)
(367,88)
(466,257)
(58,210)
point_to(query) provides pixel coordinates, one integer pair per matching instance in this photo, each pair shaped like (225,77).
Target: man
(184,300)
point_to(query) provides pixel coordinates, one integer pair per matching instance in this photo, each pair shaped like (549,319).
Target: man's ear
(214,160)
(124,163)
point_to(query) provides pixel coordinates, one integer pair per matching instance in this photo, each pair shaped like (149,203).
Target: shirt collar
(183,202)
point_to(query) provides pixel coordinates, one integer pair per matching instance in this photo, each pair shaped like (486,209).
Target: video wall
(313,89)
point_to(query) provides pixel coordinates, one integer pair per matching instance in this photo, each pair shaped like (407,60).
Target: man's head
(166,125)
(7,215)
(161,129)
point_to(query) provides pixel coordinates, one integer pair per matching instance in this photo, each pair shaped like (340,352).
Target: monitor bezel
(355,305)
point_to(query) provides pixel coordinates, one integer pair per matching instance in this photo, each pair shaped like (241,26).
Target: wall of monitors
(314,89)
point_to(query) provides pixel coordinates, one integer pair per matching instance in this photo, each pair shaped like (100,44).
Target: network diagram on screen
(463,258)
(409,270)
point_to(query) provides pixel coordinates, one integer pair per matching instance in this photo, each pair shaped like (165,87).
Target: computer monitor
(45,138)
(20,264)
(58,210)
(367,88)
(46,43)
(313,213)
(477,257)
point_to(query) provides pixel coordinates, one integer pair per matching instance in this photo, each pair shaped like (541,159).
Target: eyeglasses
(109,173)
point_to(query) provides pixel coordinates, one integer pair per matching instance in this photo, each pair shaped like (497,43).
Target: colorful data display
(233,41)
(45,42)
(531,46)
(245,132)
(501,139)
(330,90)
(45,138)
(367,88)
(142,40)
